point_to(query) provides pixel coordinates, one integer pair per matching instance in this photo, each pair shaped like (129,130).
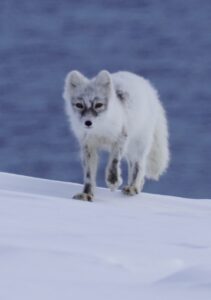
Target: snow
(144,247)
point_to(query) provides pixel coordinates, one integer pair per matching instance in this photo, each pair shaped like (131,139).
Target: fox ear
(74,79)
(103,78)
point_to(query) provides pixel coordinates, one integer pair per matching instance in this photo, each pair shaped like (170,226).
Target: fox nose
(88,123)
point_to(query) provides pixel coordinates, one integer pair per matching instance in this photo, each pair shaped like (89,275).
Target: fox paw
(83,197)
(130,190)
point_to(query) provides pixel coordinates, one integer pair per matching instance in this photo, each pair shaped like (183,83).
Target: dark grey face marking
(95,109)
(91,100)
(90,110)
(113,176)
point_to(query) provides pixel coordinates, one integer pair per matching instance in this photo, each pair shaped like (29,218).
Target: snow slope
(144,247)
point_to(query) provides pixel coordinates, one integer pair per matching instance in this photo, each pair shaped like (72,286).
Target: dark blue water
(167,41)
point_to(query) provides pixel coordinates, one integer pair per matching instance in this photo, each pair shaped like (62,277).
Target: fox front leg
(136,178)
(113,171)
(90,160)
(136,172)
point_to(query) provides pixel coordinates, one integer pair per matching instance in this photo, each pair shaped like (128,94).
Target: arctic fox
(122,114)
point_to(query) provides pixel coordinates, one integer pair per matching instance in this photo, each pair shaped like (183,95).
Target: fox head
(87,100)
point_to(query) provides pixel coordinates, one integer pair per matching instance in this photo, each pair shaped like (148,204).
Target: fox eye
(98,105)
(79,105)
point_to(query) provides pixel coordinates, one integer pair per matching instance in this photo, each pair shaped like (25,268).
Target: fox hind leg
(136,174)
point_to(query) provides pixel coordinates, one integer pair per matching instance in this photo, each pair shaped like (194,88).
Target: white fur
(134,126)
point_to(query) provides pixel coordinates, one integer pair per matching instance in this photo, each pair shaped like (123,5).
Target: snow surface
(144,247)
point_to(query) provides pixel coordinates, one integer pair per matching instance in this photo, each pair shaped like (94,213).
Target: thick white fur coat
(131,124)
